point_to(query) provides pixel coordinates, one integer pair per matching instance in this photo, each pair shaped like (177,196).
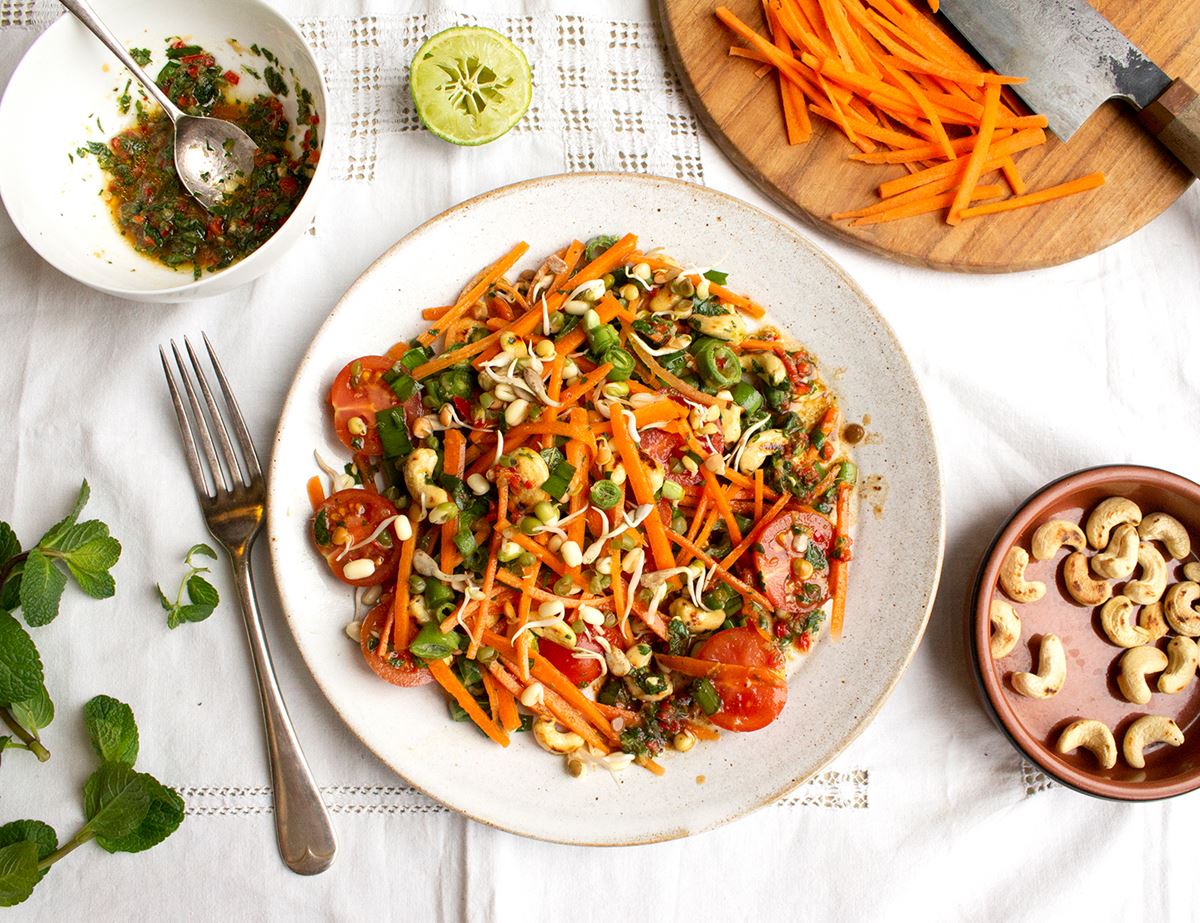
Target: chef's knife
(1076,59)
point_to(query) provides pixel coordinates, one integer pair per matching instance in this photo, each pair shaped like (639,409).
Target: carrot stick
(713,669)
(722,574)
(401,623)
(1013,176)
(489,574)
(925,152)
(1073,187)
(668,379)
(928,204)
(752,536)
(702,538)
(475,292)
(454,461)
(523,608)
(1021,141)
(489,687)
(979,155)
(448,681)
(758,494)
(640,482)
(838,568)
(721,499)
(316,492)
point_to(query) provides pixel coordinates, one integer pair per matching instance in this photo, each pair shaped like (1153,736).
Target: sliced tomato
(750,704)
(399,669)
(793,594)
(360,391)
(347,518)
(579,670)
(659,444)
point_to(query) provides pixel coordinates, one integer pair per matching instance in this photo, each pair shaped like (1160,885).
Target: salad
(591,503)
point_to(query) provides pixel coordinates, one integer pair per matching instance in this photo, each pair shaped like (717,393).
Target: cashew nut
(1091,735)
(768,365)
(1191,571)
(1180,610)
(1153,583)
(1149,729)
(1183,656)
(1168,530)
(1151,619)
(695,619)
(532,472)
(1051,536)
(731,422)
(1109,514)
(1135,664)
(720,326)
(417,472)
(1012,577)
(759,448)
(1084,589)
(1118,560)
(1006,629)
(1117,620)
(1051,672)
(549,737)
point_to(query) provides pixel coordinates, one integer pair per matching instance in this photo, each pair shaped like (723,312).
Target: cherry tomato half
(360,391)
(580,669)
(786,589)
(352,516)
(745,705)
(397,669)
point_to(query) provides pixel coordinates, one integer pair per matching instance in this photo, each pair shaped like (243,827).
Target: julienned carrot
(915,194)
(1073,187)
(712,669)
(721,500)
(589,381)
(506,703)
(607,307)
(434,313)
(927,204)
(1021,141)
(583,434)
(454,461)
(722,574)
(448,681)
(489,574)
(316,491)
(838,569)
(475,292)
(673,381)
(924,152)
(758,494)
(401,623)
(570,602)
(979,155)
(640,482)
(760,525)
(791,97)
(523,609)
(1012,175)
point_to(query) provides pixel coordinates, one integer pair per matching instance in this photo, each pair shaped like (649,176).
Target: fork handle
(302,826)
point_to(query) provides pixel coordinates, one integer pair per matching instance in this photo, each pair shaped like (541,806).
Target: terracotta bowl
(1090,690)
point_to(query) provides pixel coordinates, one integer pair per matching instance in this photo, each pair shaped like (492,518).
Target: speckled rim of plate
(666,831)
(995,703)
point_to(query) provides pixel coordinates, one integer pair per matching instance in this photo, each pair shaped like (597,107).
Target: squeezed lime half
(470,84)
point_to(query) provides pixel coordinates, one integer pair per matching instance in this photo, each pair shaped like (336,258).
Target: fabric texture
(929,813)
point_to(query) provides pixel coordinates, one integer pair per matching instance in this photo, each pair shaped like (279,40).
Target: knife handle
(1174,118)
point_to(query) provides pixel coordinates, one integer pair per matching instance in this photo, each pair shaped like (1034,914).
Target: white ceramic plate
(64,93)
(837,689)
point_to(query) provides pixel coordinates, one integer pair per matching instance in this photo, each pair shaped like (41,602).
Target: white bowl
(64,93)
(897,546)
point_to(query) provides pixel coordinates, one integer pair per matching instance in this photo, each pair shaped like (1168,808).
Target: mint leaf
(82,533)
(41,835)
(18,872)
(716,276)
(115,800)
(20,667)
(188,614)
(162,598)
(42,587)
(112,730)
(34,713)
(162,819)
(201,549)
(201,592)
(9,546)
(89,552)
(96,585)
(54,536)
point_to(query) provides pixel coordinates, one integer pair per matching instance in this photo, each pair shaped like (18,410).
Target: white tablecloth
(929,813)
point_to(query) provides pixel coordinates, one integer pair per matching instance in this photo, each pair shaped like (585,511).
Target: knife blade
(1076,60)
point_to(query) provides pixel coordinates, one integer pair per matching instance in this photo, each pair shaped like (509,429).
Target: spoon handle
(82,10)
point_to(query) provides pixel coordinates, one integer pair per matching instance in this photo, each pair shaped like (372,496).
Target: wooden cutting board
(813,180)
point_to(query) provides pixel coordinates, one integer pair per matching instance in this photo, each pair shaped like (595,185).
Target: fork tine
(235,415)
(185,432)
(222,434)
(219,475)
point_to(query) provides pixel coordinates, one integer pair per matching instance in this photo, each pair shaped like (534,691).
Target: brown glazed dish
(1090,690)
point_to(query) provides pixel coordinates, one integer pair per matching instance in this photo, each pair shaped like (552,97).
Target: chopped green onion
(393,432)
(706,696)
(622,363)
(433,644)
(848,473)
(605,494)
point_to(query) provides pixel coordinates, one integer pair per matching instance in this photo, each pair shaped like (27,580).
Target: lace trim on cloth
(830,789)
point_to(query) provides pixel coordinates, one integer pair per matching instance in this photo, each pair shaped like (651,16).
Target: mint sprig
(33,582)
(125,810)
(202,595)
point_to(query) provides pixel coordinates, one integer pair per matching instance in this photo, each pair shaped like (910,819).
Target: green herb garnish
(202,595)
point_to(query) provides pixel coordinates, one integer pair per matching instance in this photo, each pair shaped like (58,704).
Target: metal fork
(232,498)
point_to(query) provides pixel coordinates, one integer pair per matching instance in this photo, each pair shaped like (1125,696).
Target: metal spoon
(212,156)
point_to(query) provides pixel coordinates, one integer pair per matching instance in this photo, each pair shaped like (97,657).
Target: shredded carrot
(475,292)
(758,494)
(713,669)
(1073,187)
(454,450)
(316,492)
(930,203)
(721,499)
(669,379)
(401,623)
(640,482)
(448,681)
(722,574)
(761,523)
(979,155)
